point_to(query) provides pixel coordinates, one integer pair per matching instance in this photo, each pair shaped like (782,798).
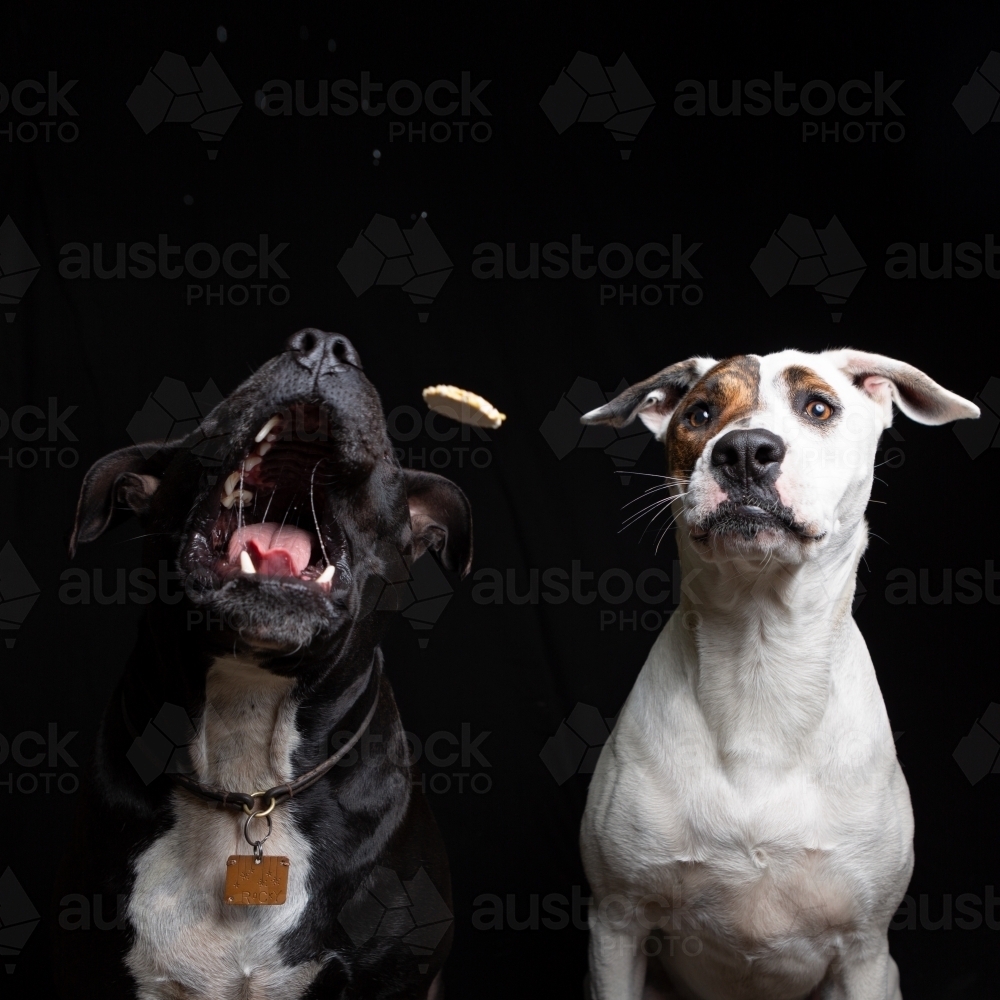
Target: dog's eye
(698,416)
(819,410)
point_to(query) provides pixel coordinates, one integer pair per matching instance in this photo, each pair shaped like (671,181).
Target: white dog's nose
(749,457)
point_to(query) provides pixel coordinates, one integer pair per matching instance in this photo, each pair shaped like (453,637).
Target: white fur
(749,802)
(188,941)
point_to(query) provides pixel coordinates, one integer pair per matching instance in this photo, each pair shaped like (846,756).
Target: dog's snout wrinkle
(321,352)
(749,456)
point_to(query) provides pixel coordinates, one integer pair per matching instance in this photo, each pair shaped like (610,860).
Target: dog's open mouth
(269,517)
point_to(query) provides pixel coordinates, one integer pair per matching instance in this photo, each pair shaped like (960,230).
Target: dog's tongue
(276,550)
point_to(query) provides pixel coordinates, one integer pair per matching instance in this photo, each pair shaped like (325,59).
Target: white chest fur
(188,941)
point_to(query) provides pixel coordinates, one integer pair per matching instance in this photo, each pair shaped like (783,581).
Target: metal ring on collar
(246,831)
(266,812)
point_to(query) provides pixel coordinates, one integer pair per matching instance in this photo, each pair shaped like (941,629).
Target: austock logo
(18,593)
(167,744)
(409,429)
(652,261)
(174,92)
(18,266)
(906,260)
(411,912)
(978,754)
(462,750)
(612,96)
(31,749)
(977,436)
(405,98)
(79,261)
(30,424)
(18,918)
(173,412)
(419,590)
(817,98)
(577,743)
(32,97)
(563,431)
(978,102)
(823,259)
(411,259)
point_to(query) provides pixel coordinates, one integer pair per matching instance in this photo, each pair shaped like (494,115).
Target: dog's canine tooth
(246,563)
(263,449)
(263,432)
(327,575)
(251,462)
(243,496)
(231,480)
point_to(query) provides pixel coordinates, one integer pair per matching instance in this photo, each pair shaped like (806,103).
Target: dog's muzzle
(746,465)
(271,518)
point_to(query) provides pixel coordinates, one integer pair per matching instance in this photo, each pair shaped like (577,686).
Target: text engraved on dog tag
(249,884)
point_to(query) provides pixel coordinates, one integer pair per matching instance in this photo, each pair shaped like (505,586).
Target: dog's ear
(441,519)
(654,400)
(129,476)
(888,381)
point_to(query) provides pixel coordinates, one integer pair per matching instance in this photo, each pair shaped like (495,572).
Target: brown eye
(819,410)
(699,416)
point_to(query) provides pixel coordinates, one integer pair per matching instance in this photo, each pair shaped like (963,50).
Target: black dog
(291,523)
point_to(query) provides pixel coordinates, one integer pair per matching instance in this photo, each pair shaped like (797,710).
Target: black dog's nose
(317,349)
(749,456)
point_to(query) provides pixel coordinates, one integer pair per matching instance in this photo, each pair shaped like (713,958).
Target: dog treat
(465,407)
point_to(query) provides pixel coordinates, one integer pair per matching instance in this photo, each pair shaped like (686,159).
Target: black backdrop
(912,172)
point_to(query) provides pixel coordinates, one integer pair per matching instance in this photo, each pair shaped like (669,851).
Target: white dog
(748,808)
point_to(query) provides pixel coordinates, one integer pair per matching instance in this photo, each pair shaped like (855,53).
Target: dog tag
(251,884)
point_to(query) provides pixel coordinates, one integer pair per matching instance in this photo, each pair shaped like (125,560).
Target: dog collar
(247,801)
(274,796)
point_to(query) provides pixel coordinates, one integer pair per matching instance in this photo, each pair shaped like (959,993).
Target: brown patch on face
(803,384)
(729,391)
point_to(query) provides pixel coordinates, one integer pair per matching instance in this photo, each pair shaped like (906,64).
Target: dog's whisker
(239,506)
(662,532)
(665,507)
(664,503)
(652,475)
(312,504)
(655,489)
(268,507)
(635,517)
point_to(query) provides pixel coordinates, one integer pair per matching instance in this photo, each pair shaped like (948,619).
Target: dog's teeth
(263,449)
(327,575)
(243,496)
(252,462)
(271,438)
(231,482)
(263,432)
(246,563)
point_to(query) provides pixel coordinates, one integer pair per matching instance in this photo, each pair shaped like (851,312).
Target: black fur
(366,813)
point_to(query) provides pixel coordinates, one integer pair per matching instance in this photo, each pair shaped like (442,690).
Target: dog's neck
(764,637)
(259,729)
